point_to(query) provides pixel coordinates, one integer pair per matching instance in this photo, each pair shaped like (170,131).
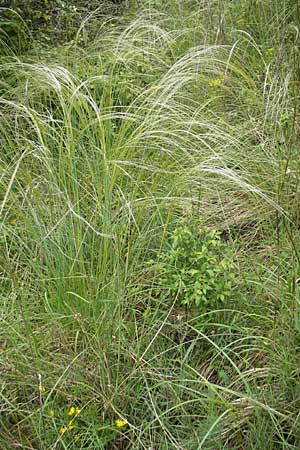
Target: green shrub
(48,20)
(197,268)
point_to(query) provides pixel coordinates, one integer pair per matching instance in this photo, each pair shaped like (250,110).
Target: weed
(197,269)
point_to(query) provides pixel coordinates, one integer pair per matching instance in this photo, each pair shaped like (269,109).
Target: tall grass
(108,146)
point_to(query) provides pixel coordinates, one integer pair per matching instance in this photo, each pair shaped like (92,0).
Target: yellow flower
(13,221)
(70,426)
(71,411)
(216,82)
(120,423)
(52,412)
(41,388)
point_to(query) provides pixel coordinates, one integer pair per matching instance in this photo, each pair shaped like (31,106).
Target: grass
(175,114)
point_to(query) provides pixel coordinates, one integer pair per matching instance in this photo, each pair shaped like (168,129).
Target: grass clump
(114,144)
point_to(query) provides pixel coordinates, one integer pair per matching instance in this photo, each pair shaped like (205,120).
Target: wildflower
(52,412)
(41,388)
(71,411)
(70,426)
(216,82)
(74,411)
(13,221)
(120,423)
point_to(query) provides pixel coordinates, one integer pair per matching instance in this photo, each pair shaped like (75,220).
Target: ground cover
(149,203)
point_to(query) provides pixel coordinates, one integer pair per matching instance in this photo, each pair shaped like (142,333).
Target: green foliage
(14,35)
(197,268)
(45,14)
(269,22)
(106,141)
(49,20)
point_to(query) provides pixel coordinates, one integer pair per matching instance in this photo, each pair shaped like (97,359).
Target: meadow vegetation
(150,228)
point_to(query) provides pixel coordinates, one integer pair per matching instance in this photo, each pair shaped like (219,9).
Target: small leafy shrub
(48,19)
(197,268)
(13,31)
